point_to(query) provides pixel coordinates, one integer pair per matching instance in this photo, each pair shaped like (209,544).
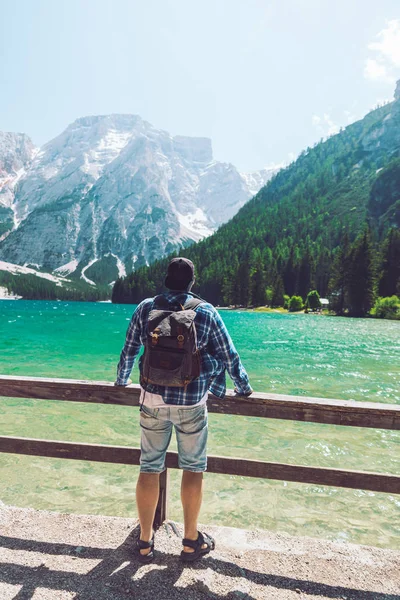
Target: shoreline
(255,309)
(275,310)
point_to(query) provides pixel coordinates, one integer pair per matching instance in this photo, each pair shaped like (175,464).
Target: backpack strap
(160,302)
(192,303)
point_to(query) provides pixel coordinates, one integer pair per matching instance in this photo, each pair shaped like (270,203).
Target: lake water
(312,355)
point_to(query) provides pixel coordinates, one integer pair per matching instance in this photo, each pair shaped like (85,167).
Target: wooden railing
(272,406)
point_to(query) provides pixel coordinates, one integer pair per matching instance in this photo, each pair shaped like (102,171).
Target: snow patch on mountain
(194,225)
(120,266)
(68,268)
(107,149)
(83,276)
(19,270)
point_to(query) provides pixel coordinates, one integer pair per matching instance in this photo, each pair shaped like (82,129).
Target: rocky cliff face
(16,152)
(113,190)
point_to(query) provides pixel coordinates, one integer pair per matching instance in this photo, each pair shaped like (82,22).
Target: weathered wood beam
(272,406)
(163,500)
(72,390)
(360,480)
(124,455)
(375,482)
(313,410)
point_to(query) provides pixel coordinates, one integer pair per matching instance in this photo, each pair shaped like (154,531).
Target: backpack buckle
(154,338)
(180,339)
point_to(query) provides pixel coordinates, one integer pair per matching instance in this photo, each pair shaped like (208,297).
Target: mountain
(293,235)
(110,194)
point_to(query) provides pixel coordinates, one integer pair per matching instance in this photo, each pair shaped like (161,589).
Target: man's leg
(147,491)
(191,496)
(191,432)
(156,434)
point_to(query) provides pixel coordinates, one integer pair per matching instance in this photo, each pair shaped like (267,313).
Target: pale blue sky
(263,79)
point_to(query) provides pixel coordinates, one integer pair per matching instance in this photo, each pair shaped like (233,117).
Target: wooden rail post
(162,505)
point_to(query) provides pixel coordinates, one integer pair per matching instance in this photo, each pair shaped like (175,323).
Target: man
(182,407)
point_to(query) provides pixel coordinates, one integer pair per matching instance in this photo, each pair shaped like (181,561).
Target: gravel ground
(51,556)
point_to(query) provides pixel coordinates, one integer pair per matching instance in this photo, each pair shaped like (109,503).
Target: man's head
(180,274)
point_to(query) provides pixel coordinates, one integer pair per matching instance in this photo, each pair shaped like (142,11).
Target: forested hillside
(32,287)
(330,216)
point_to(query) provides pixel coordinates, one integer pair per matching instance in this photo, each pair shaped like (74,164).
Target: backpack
(171,357)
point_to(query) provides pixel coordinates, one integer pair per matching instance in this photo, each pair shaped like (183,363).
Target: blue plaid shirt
(213,341)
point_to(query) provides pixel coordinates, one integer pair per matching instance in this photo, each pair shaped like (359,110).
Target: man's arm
(131,348)
(222,345)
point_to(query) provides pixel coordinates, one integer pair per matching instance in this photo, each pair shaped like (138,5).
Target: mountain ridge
(113,189)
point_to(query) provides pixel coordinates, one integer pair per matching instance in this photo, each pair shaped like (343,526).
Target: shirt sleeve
(133,343)
(223,347)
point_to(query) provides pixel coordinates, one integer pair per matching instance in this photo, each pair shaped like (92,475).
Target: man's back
(214,343)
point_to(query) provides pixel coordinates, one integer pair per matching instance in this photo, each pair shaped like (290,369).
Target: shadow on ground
(119,575)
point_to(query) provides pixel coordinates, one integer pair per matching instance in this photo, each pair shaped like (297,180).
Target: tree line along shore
(364,280)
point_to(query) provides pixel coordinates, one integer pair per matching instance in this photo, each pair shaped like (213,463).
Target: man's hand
(129,382)
(243,394)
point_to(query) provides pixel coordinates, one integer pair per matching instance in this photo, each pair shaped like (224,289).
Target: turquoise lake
(330,357)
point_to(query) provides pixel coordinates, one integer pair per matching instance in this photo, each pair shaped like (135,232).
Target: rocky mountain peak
(112,193)
(16,150)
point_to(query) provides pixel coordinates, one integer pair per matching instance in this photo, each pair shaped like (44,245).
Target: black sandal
(142,545)
(203,538)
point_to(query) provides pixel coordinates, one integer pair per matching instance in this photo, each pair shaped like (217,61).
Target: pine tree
(390,269)
(313,301)
(290,274)
(306,275)
(339,277)
(322,271)
(361,281)
(243,277)
(257,279)
(278,292)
